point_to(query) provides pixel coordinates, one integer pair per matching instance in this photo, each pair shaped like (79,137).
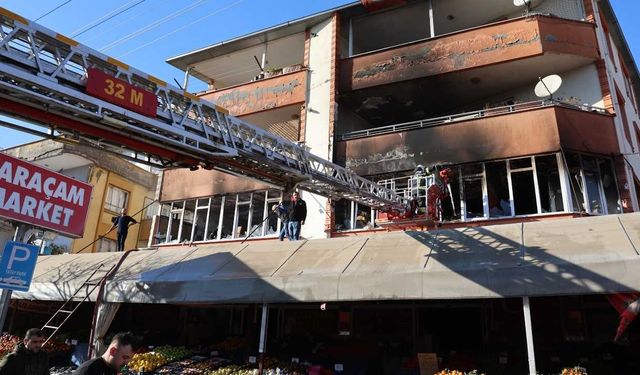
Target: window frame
(107,202)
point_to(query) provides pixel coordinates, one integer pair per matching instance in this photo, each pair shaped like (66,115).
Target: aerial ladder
(50,80)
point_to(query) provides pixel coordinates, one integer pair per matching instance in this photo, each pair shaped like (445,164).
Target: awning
(553,257)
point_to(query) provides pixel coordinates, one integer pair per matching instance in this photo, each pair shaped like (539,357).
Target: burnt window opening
(549,184)
(593,184)
(498,189)
(351,215)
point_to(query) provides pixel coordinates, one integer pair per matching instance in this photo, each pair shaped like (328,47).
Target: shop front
(384,304)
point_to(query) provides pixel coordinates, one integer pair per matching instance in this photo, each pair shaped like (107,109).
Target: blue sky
(197,23)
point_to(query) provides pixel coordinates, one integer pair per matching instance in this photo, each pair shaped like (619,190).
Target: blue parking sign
(17,265)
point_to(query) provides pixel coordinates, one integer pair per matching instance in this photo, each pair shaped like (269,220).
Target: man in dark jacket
(28,357)
(118,354)
(122,222)
(297,215)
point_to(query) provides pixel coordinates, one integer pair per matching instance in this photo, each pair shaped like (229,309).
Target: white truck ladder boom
(42,80)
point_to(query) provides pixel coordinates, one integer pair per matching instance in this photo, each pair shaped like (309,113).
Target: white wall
(579,86)
(317,126)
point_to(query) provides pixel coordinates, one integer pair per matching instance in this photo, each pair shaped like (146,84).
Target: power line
(183,27)
(117,25)
(53,10)
(105,18)
(152,25)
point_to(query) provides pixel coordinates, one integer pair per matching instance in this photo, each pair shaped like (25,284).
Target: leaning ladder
(82,294)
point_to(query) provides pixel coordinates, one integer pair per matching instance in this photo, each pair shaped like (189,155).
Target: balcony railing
(437,121)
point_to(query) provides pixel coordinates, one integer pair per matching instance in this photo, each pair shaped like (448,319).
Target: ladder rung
(65,311)
(51,327)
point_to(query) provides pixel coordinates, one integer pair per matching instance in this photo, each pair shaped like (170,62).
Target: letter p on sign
(20,254)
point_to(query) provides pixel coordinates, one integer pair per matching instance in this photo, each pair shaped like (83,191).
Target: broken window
(243,208)
(215,208)
(472,190)
(576,182)
(351,215)
(258,212)
(523,187)
(498,189)
(342,215)
(163,223)
(609,186)
(594,189)
(174,222)
(200,219)
(187,220)
(549,183)
(592,184)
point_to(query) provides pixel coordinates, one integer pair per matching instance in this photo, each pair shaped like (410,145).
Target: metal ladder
(69,307)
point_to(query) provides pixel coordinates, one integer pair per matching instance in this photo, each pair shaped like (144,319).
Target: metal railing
(443,120)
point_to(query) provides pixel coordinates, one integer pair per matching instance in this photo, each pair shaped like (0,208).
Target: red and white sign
(38,196)
(122,93)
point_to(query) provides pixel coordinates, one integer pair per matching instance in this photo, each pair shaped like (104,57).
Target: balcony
(285,88)
(496,133)
(542,42)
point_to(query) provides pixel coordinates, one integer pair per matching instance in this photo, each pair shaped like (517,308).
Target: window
(593,186)
(151,208)
(549,183)
(106,245)
(523,187)
(116,199)
(200,220)
(498,189)
(351,215)
(220,217)
(472,192)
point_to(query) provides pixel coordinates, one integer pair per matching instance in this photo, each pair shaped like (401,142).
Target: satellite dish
(548,86)
(521,3)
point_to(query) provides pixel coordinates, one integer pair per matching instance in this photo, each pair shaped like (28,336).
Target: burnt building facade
(386,87)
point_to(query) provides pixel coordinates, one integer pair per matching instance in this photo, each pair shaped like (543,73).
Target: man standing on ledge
(297,215)
(122,223)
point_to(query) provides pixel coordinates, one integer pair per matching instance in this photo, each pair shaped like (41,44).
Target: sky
(151,31)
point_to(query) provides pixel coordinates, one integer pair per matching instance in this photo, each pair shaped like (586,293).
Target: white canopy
(551,257)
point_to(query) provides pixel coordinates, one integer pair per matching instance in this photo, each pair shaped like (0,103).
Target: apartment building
(390,89)
(384,87)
